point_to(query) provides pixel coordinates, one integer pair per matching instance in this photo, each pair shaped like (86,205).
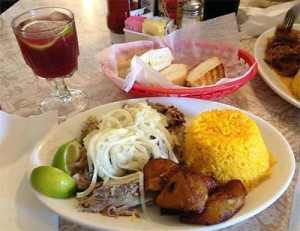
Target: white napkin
(20,210)
(253,21)
(294,223)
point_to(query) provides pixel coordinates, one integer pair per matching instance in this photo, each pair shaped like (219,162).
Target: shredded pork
(283,51)
(120,199)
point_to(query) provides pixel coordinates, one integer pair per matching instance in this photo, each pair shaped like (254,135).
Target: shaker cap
(192,8)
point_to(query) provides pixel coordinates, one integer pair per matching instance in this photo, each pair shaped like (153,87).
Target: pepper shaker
(191,12)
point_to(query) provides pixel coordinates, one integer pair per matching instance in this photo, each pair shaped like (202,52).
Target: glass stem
(62,90)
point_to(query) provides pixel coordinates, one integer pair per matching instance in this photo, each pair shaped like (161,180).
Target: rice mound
(227,144)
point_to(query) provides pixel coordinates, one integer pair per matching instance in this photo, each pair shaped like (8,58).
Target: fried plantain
(156,173)
(184,192)
(211,182)
(221,205)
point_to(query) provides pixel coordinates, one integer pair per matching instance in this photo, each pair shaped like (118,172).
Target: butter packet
(157,26)
(134,23)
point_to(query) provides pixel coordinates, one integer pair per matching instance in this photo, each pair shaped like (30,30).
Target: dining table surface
(21,93)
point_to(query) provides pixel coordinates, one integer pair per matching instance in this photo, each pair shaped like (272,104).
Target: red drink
(49,45)
(48,41)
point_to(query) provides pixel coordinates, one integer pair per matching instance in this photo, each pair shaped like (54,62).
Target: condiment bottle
(191,12)
(117,12)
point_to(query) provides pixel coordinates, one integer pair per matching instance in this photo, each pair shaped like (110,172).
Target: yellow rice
(227,144)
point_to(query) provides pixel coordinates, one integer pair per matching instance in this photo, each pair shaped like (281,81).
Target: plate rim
(212,104)
(278,89)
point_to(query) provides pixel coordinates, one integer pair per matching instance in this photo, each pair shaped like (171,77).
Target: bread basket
(199,93)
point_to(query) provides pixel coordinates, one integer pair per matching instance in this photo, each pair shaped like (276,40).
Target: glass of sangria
(48,41)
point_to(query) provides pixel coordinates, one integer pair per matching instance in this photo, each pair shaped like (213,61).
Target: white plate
(267,73)
(256,201)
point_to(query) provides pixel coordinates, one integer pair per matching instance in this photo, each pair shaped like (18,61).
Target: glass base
(66,106)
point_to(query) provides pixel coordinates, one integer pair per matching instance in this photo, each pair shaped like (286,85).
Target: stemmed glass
(48,41)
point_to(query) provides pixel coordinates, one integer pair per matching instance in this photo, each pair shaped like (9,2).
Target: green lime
(66,155)
(42,25)
(66,31)
(53,182)
(42,34)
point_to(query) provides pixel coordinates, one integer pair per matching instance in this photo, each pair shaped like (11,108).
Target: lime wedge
(49,34)
(42,25)
(39,47)
(66,155)
(53,182)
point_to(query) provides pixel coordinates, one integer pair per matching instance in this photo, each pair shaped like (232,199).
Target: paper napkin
(20,210)
(295,211)
(253,21)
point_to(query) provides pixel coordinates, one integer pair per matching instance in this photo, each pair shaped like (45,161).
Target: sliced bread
(176,73)
(206,73)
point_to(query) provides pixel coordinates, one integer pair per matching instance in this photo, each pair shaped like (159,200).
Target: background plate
(267,73)
(256,201)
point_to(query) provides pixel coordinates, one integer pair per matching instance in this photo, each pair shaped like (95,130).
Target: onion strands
(127,138)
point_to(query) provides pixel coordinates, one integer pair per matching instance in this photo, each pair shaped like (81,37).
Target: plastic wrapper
(134,23)
(190,45)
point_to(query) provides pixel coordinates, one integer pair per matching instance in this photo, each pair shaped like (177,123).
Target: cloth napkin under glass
(20,210)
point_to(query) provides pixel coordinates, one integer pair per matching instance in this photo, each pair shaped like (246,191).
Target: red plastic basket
(200,93)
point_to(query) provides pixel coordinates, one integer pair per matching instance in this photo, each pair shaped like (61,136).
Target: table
(20,92)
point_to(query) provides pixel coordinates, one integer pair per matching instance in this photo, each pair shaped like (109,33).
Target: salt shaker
(192,11)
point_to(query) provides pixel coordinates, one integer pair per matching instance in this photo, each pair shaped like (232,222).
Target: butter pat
(158,58)
(155,27)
